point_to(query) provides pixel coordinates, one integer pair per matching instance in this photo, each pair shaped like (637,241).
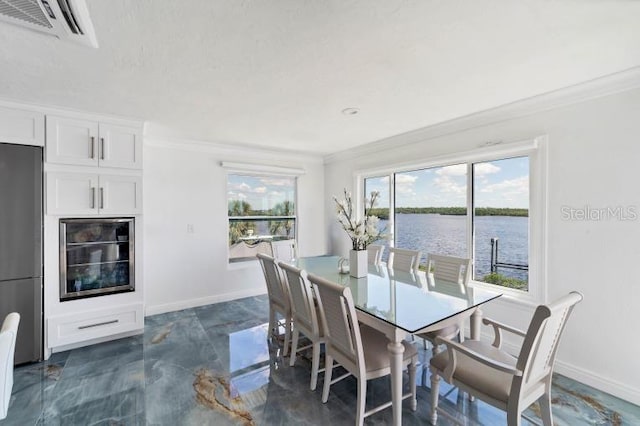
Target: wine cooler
(96,257)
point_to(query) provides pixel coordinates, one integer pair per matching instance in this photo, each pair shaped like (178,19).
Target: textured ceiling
(278,73)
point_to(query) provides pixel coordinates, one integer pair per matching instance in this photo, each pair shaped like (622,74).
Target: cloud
(405,179)
(271,181)
(455,170)
(260,190)
(509,187)
(483,169)
(448,184)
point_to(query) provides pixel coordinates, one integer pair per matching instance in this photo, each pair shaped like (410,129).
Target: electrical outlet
(190,228)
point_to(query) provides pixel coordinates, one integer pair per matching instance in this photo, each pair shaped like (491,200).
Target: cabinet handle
(101,197)
(93,144)
(102,148)
(82,327)
(93,197)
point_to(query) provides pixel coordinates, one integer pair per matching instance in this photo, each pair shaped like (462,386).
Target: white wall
(184,184)
(593,158)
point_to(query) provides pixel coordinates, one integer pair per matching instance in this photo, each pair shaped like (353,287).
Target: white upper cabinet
(21,126)
(90,143)
(89,194)
(120,146)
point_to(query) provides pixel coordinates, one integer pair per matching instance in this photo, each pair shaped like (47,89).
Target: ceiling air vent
(65,19)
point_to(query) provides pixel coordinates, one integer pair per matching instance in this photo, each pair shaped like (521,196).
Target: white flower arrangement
(364,231)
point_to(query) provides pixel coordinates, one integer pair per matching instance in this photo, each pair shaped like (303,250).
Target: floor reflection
(213,365)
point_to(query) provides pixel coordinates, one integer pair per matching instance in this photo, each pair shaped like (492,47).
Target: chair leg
(513,417)
(294,347)
(315,365)
(435,350)
(412,385)
(362,398)
(328,371)
(545,409)
(287,334)
(272,322)
(435,387)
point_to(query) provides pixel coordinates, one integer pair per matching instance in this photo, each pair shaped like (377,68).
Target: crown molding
(69,112)
(252,152)
(603,86)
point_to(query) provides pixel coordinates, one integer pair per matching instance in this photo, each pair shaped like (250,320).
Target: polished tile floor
(212,366)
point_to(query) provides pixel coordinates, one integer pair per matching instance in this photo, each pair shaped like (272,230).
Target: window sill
(245,264)
(510,295)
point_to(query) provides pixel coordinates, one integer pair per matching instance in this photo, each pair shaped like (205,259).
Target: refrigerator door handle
(102,197)
(93,197)
(93,145)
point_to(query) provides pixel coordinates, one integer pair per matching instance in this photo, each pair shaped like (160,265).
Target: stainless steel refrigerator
(21,245)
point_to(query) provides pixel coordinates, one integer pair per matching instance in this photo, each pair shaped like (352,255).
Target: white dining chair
(8,334)
(283,249)
(359,349)
(306,318)
(454,271)
(374,253)
(279,301)
(510,383)
(403,259)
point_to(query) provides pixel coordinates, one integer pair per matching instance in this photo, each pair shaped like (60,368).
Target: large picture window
(474,209)
(261,209)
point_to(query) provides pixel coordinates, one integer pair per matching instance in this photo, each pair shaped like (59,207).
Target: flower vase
(358,263)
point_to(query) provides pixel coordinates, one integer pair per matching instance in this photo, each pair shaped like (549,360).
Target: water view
(446,234)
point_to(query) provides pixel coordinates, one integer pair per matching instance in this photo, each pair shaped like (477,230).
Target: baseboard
(201,301)
(604,384)
(76,345)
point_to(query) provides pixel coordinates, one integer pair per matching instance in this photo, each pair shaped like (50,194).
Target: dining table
(400,304)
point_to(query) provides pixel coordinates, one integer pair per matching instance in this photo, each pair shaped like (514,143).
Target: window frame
(262,171)
(536,150)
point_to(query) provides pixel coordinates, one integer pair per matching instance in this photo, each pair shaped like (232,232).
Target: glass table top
(409,301)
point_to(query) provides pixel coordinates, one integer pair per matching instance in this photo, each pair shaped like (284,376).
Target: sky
(501,183)
(261,192)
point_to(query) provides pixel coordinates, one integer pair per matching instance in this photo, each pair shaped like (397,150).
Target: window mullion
(392,209)
(470,223)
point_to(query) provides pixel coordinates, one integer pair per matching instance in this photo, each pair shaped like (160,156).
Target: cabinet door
(72,193)
(120,194)
(21,127)
(120,146)
(71,141)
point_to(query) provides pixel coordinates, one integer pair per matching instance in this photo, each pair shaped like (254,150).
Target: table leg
(396,351)
(476,322)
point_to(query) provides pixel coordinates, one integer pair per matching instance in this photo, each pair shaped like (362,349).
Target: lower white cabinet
(83,326)
(88,193)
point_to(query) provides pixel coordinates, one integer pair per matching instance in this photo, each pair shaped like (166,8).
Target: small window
(261,209)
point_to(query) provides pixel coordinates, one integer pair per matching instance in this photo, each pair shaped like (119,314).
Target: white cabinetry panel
(91,143)
(72,193)
(82,326)
(89,193)
(72,141)
(21,127)
(120,194)
(120,146)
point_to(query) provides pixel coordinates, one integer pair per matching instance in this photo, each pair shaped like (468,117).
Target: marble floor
(212,365)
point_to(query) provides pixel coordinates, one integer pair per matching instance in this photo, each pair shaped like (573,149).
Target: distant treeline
(383,213)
